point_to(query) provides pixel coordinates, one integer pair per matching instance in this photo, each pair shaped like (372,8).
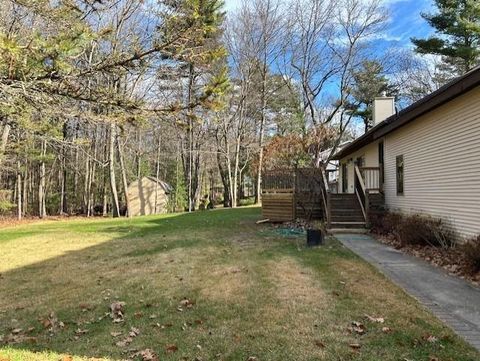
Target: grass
(256,292)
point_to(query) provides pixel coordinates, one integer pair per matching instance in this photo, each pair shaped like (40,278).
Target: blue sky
(405,20)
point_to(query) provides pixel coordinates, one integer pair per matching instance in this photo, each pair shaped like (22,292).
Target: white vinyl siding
(370,156)
(441,153)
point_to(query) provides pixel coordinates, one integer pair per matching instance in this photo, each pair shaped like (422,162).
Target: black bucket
(314,237)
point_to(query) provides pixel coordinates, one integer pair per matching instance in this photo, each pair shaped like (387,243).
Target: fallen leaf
(86,307)
(16,331)
(252,358)
(171,348)
(319,344)
(375,319)
(124,342)
(117,311)
(357,327)
(115,334)
(79,331)
(187,303)
(147,355)
(134,332)
(386,329)
(67,358)
(355,346)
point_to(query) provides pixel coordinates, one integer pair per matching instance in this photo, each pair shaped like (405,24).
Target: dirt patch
(295,284)
(361,282)
(226,284)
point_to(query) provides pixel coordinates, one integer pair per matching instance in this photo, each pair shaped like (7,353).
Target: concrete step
(347,230)
(348,225)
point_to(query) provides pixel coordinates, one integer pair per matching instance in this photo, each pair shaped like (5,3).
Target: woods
(97,94)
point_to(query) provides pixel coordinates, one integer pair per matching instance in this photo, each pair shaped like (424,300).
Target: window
(381,156)
(344,178)
(400,175)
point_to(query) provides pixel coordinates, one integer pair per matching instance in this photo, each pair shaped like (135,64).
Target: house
(148,195)
(424,159)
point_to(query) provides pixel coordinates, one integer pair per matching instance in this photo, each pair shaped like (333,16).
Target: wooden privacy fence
(292,193)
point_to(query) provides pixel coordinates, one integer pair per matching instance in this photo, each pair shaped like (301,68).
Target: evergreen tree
(457,39)
(369,83)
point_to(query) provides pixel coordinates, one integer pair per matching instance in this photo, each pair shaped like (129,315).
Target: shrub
(6,206)
(423,231)
(385,223)
(471,251)
(414,230)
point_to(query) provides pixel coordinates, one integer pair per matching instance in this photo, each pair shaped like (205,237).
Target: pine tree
(369,83)
(457,39)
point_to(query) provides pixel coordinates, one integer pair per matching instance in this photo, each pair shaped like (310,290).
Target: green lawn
(251,292)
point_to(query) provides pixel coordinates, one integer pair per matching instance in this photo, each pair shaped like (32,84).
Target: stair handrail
(361,197)
(360,178)
(325,197)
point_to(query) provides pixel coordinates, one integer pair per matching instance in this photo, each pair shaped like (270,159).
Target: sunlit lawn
(205,286)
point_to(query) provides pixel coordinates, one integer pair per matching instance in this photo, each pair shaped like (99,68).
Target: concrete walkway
(452,300)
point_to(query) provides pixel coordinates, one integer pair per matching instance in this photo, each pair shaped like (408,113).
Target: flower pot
(314,237)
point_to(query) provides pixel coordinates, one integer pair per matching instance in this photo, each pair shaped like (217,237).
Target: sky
(405,20)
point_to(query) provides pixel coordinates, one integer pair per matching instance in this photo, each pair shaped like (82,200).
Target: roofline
(446,93)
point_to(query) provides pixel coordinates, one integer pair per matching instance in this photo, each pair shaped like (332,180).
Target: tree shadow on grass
(61,304)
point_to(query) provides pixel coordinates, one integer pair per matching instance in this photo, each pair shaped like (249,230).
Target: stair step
(347,224)
(347,230)
(358,218)
(343,211)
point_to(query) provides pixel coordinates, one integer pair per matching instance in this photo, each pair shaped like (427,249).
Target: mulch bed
(451,260)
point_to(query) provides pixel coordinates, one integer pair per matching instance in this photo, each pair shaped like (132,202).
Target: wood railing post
(367,208)
(329,210)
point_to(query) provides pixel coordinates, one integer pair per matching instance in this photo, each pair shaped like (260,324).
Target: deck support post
(367,208)
(329,211)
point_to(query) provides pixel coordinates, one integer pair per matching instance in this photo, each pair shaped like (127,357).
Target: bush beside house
(431,239)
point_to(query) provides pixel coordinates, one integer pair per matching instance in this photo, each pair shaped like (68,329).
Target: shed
(147,196)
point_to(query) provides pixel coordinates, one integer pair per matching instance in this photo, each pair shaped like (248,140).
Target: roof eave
(432,101)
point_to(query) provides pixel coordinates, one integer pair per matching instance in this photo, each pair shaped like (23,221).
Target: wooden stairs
(346,212)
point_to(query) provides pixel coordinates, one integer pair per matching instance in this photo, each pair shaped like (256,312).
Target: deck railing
(371,177)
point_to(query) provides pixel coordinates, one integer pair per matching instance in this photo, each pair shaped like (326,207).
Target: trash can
(314,237)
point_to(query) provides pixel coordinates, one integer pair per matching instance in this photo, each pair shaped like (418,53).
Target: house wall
(370,154)
(141,195)
(441,152)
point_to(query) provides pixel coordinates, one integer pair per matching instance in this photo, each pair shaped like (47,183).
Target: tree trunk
(258,192)
(190,138)
(111,167)
(63,191)
(4,139)
(19,192)
(124,176)
(157,171)
(42,212)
